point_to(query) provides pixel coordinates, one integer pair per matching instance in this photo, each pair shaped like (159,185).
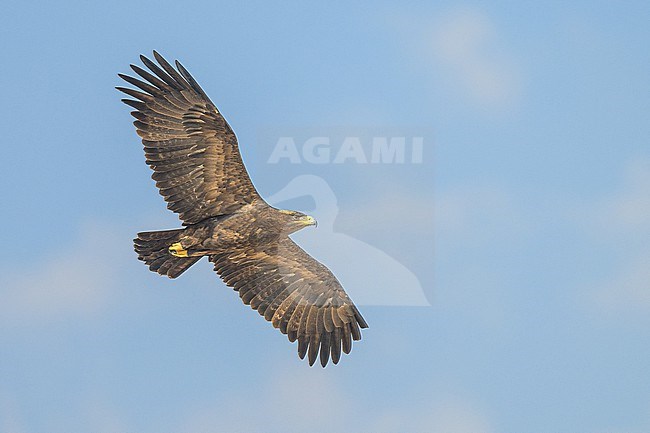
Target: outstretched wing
(296,293)
(188,144)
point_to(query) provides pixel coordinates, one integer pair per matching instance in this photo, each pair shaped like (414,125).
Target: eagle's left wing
(295,292)
(189,145)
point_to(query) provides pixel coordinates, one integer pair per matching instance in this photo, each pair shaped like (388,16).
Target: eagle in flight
(198,170)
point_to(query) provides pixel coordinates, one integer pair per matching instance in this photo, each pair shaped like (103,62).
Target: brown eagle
(198,170)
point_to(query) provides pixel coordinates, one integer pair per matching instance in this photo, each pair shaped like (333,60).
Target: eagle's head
(294,220)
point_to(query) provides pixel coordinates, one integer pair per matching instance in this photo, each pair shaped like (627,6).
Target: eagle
(199,171)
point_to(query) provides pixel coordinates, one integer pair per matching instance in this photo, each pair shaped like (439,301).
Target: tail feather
(153,249)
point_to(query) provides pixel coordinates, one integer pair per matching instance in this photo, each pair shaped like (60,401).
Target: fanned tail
(153,249)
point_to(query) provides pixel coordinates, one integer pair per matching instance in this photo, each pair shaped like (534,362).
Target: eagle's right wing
(188,144)
(297,294)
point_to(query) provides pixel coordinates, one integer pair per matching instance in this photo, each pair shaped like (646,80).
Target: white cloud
(10,421)
(71,281)
(104,418)
(92,416)
(312,400)
(466,43)
(473,214)
(290,401)
(628,290)
(622,221)
(449,415)
(457,417)
(628,210)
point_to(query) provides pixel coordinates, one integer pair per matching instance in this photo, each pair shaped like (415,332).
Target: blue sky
(526,226)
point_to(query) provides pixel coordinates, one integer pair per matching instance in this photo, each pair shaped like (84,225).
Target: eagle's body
(251,225)
(198,169)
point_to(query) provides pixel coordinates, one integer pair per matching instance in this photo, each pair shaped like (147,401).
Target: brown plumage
(199,171)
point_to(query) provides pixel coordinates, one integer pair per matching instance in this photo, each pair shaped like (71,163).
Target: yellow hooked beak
(309,221)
